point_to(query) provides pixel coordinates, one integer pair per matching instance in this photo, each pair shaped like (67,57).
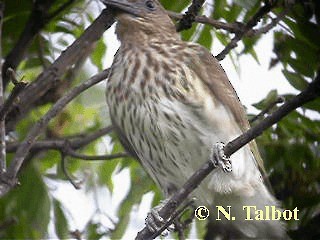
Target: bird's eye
(150,5)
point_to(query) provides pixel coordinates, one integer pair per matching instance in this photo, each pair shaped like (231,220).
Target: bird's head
(141,20)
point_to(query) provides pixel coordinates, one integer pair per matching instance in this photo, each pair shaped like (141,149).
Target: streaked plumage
(170,102)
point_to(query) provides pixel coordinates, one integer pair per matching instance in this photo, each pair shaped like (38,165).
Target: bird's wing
(124,141)
(216,80)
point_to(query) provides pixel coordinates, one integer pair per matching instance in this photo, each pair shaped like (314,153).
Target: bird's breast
(168,117)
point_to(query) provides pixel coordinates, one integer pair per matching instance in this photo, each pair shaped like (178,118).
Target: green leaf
(255,6)
(302,67)
(187,35)
(105,171)
(233,13)
(313,105)
(247,4)
(92,231)
(219,9)
(49,160)
(295,79)
(176,6)
(141,184)
(270,98)
(303,51)
(205,38)
(98,54)
(307,32)
(224,39)
(60,221)
(249,44)
(30,205)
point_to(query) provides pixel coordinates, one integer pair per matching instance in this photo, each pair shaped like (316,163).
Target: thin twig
(230,27)
(238,36)
(36,21)
(189,17)
(10,178)
(38,18)
(74,154)
(41,52)
(271,25)
(77,185)
(14,95)
(47,79)
(82,141)
(267,109)
(309,94)
(235,27)
(76,142)
(3,165)
(59,10)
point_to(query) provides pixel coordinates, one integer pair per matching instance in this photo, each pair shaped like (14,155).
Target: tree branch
(267,109)
(189,17)
(14,95)
(48,78)
(272,24)
(9,179)
(250,24)
(3,164)
(236,27)
(76,185)
(35,23)
(72,153)
(230,27)
(60,9)
(75,142)
(309,94)
(38,18)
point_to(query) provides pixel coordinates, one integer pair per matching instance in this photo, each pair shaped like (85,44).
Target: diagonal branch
(230,27)
(38,18)
(14,95)
(72,153)
(9,179)
(60,9)
(279,99)
(250,24)
(189,17)
(76,142)
(76,185)
(49,77)
(34,24)
(309,94)
(2,122)
(272,24)
(236,27)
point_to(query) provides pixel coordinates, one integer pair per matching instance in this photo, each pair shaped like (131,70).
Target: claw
(155,222)
(219,159)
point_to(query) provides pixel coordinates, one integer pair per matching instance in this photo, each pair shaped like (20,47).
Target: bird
(172,106)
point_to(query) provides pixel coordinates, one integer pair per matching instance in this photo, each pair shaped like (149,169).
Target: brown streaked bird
(171,102)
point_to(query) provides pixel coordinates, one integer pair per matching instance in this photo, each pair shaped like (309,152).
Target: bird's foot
(154,222)
(219,159)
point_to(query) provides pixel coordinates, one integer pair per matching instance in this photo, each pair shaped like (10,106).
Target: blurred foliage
(291,148)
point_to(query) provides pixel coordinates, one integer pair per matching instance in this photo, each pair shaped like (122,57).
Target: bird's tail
(255,216)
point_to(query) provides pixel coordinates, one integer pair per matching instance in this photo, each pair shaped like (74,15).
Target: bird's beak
(123,5)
